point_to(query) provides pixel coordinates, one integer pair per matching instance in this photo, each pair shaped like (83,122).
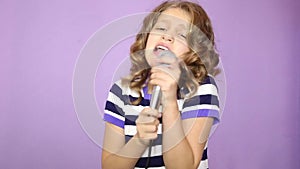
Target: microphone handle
(155,98)
(154,104)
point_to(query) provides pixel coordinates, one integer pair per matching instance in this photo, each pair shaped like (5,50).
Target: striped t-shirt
(120,112)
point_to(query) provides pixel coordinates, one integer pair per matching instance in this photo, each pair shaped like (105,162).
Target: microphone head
(166,53)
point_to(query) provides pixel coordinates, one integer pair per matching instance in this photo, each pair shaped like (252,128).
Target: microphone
(154,104)
(155,100)
(156,92)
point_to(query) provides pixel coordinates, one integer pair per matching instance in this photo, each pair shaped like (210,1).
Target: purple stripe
(113,120)
(146,95)
(201,113)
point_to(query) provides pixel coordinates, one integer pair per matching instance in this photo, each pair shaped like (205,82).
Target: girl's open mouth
(159,48)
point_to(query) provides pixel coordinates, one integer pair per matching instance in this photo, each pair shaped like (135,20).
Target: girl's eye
(160,28)
(182,35)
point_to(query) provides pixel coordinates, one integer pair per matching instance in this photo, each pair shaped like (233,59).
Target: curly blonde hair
(201,60)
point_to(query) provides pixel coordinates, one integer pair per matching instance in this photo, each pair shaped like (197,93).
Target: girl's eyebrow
(167,21)
(182,26)
(163,21)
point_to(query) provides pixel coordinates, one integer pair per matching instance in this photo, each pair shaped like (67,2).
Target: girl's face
(169,33)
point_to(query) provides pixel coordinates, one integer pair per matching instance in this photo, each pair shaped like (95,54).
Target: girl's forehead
(175,14)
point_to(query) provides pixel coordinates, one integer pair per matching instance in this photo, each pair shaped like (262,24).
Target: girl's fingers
(156,122)
(151,136)
(147,116)
(150,128)
(149,112)
(160,77)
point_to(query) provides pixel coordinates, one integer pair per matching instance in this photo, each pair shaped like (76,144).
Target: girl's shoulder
(124,88)
(208,86)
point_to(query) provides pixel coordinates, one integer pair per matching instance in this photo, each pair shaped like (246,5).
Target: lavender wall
(40,41)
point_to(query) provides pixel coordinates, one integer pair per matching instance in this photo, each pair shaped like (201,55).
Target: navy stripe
(156,161)
(116,90)
(127,99)
(202,99)
(208,80)
(130,119)
(114,108)
(144,102)
(204,155)
(157,141)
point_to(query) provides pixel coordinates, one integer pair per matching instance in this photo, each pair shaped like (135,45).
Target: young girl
(174,50)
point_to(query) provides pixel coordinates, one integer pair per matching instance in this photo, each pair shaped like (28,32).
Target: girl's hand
(147,125)
(166,75)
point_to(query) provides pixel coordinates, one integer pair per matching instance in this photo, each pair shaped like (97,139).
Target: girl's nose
(168,38)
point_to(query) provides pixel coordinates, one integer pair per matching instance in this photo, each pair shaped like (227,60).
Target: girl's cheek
(152,60)
(148,58)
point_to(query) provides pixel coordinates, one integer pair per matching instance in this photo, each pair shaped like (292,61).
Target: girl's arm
(115,154)
(118,155)
(183,140)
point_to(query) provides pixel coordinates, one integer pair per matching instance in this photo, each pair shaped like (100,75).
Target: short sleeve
(204,103)
(114,106)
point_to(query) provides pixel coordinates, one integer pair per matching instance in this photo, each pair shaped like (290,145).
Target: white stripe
(114,115)
(155,151)
(115,99)
(180,104)
(202,90)
(126,89)
(207,89)
(127,109)
(201,106)
(205,147)
(131,130)
(133,110)
(203,164)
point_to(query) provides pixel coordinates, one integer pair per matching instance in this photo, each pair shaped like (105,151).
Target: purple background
(40,41)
